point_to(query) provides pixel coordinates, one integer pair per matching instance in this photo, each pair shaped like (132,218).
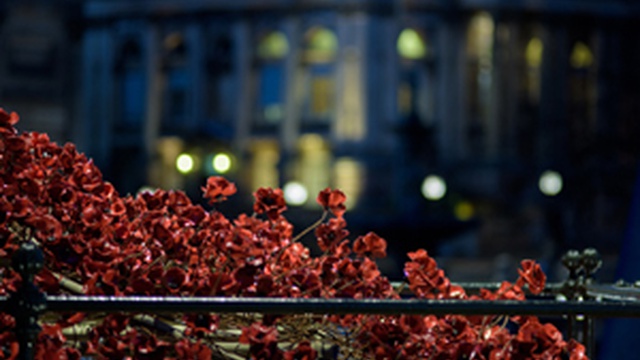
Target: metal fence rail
(584,302)
(110,304)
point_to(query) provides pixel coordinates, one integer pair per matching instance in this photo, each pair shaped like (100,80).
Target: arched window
(581,56)
(313,166)
(131,87)
(265,156)
(411,45)
(480,36)
(177,80)
(533,58)
(414,97)
(271,53)
(318,63)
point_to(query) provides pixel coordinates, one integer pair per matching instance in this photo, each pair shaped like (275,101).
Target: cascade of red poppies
(97,242)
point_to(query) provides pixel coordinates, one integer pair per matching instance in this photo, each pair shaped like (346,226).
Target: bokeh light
(295,193)
(185,163)
(550,183)
(221,163)
(434,187)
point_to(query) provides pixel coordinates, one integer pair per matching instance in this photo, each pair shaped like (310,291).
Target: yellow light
(185,163)
(550,183)
(221,163)
(410,45)
(463,210)
(533,53)
(581,56)
(433,187)
(273,46)
(295,193)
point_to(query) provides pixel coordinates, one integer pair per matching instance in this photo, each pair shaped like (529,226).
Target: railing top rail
(337,306)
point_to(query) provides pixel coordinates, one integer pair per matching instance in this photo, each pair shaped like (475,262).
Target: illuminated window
(348,176)
(321,45)
(131,84)
(411,45)
(163,171)
(533,53)
(351,119)
(581,56)
(415,95)
(271,52)
(273,46)
(480,38)
(313,165)
(533,57)
(480,34)
(264,164)
(318,74)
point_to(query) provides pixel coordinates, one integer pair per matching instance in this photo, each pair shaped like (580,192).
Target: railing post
(571,261)
(591,262)
(28,301)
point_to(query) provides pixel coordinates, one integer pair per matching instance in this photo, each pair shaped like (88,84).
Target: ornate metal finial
(572,260)
(28,301)
(591,262)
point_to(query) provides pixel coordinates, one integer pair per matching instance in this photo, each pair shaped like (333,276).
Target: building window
(480,36)
(265,156)
(351,124)
(582,101)
(411,45)
(348,176)
(415,87)
(533,58)
(313,165)
(130,97)
(318,76)
(176,80)
(271,53)
(220,82)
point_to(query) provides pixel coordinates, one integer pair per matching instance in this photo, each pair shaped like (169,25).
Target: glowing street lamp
(295,193)
(434,187)
(550,183)
(185,163)
(221,163)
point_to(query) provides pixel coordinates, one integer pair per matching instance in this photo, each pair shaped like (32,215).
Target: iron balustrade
(577,300)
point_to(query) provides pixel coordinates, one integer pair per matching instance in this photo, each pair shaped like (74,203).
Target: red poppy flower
(544,339)
(576,350)
(331,233)
(531,273)
(425,279)
(175,280)
(509,291)
(197,350)
(368,270)
(332,200)
(303,351)
(8,120)
(269,201)
(47,227)
(370,244)
(218,189)
(262,340)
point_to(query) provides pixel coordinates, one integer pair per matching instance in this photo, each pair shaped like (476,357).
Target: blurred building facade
(367,96)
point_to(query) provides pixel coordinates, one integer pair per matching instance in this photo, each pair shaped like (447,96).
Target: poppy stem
(310,228)
(303,233)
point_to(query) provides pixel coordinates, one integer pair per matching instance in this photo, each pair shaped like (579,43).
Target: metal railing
(582,302)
